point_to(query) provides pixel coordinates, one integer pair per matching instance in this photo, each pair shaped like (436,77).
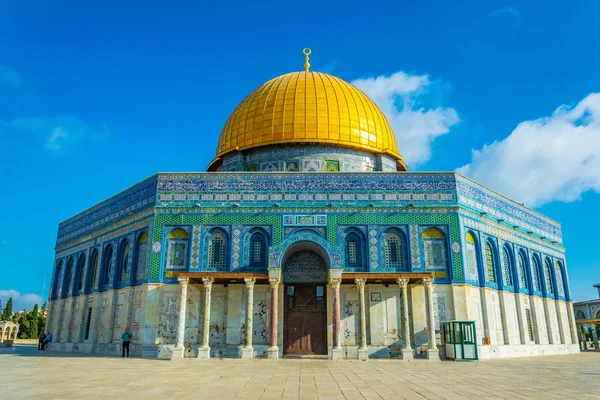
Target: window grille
(88,321)
(94,270)
(124,257)
(522,276)
(529,324)
(548,278)
(507,268)
(535,274)
(258,250)
(393,250)
(472,271)
(435,253)
(559,281)
(216,251)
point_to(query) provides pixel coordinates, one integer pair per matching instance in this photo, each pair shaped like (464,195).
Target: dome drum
(306,158)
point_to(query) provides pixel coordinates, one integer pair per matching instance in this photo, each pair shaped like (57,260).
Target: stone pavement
(26,373)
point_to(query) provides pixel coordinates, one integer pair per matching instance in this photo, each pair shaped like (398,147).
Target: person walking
(126,337)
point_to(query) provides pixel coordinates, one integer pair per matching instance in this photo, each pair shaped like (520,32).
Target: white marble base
(337,354)
(273,353)
(247,352)
(529,350)
(204,352)
(363,354)
(433,354)
(178,352)
(407,354)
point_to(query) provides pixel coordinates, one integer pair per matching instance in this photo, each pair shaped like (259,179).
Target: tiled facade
(319,208)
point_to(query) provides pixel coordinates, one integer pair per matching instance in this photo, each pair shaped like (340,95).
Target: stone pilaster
(432,351)
(561,329)
(407,351)
(179,349)
(363,350)
(204,350)
(572,326)
(548,321)
(248,350)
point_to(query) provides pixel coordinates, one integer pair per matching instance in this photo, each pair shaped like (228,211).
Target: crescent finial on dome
(306,52)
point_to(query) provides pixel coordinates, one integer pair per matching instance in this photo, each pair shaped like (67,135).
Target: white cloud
(547,159)
(20,301)
(18,98)
(511,11)
(399,97)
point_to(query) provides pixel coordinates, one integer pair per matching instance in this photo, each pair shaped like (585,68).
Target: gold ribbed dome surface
(308,107)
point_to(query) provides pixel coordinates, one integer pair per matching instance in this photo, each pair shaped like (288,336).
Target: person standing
(41,341)
(126,337)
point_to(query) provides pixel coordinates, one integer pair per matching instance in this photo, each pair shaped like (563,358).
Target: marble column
(204,350)
(594,337)
(407,351)
(363,350)
(273,351)
(584,337)
(336,350)
(549,328)
(432,351)
(248,350)
(179,349)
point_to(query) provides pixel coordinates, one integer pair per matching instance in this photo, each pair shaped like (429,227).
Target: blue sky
(94,98)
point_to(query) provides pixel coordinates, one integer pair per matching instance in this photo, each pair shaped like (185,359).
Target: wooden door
(305,319)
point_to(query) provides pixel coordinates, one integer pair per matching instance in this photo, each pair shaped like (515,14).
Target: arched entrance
(305,308)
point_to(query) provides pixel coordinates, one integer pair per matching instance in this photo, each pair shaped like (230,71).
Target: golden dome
(308,107)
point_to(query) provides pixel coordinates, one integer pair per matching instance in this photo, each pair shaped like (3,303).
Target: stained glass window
(559,280)
(535,274)
(80,272)
(472,271)
(142,249)
(106,265)
(123,260)
(94,270)
(489,262)
(522,276)
(548,277)
(507,278)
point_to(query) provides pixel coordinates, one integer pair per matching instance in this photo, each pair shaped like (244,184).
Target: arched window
(490,263)
(547,272)
(57,273)
(67,281)
(535,274)
(94,266)
(434,249)
(579,315)
(139,266)
(258,250)
(106,264)
(559,280)
(121,273)
(393,250)
(522,273)
(80,274)
(472,270)
(354,244)
(506,267)
(217,251)
(177,250)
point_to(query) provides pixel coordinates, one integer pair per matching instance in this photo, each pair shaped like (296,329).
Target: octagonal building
(307,236)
